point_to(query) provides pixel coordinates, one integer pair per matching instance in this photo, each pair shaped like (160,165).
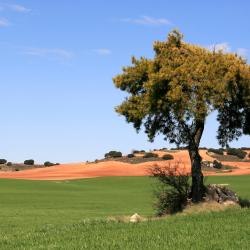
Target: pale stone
(135,218)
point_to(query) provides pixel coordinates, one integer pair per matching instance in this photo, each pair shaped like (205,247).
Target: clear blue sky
(58,59)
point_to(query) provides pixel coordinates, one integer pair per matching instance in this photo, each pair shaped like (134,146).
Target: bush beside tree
(173,190)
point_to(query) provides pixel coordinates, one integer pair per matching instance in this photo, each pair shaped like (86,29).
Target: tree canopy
(181,86)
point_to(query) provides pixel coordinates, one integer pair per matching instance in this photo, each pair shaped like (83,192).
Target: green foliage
(29,162)
(3,161)
(216,151)
(113,154)
(174,92)
(167,157)
(237,152)
(174,191)
(150,155)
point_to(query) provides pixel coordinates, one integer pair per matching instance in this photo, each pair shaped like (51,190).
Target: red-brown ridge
(115,168)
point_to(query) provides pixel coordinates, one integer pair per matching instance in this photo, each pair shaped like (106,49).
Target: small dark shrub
(216,151)
(150,155)
(113,154)
(29,162)
(48,164)
(179,148)
(138,151)
(9,164)
(130,155)
(244,203)
(167,157)
(237,152)
(135,152)
(57,164)
(173,188)
(17,169)
(3,161)
(217,164)
(249,155)
(245,148)
(164,149)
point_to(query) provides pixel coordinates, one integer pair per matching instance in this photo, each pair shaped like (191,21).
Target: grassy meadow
(73,215)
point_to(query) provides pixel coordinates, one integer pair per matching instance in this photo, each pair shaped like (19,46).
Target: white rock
(135,218)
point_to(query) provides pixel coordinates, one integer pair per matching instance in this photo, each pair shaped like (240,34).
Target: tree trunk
(197,190)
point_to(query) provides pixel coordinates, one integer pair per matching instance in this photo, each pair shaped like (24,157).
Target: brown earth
(115,168)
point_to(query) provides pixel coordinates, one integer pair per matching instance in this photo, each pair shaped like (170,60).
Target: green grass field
(72,215)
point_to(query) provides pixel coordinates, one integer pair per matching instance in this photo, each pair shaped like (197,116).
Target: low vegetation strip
(135,159)
(216,230)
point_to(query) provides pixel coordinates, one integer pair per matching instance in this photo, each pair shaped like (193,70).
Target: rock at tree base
(221,194)
(135,218)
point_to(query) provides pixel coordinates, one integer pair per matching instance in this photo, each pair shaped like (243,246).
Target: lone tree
(173,93)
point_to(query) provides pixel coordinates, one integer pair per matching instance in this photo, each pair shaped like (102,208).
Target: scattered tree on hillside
(174,92)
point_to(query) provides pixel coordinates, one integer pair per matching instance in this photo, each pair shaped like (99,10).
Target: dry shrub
(211,206)
(173,188)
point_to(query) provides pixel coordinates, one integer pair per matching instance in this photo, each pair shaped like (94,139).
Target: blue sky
(58,59)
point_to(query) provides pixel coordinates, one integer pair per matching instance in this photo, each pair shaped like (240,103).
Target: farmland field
(72,215)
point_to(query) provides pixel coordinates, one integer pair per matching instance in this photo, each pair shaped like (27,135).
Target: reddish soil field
(115,168)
